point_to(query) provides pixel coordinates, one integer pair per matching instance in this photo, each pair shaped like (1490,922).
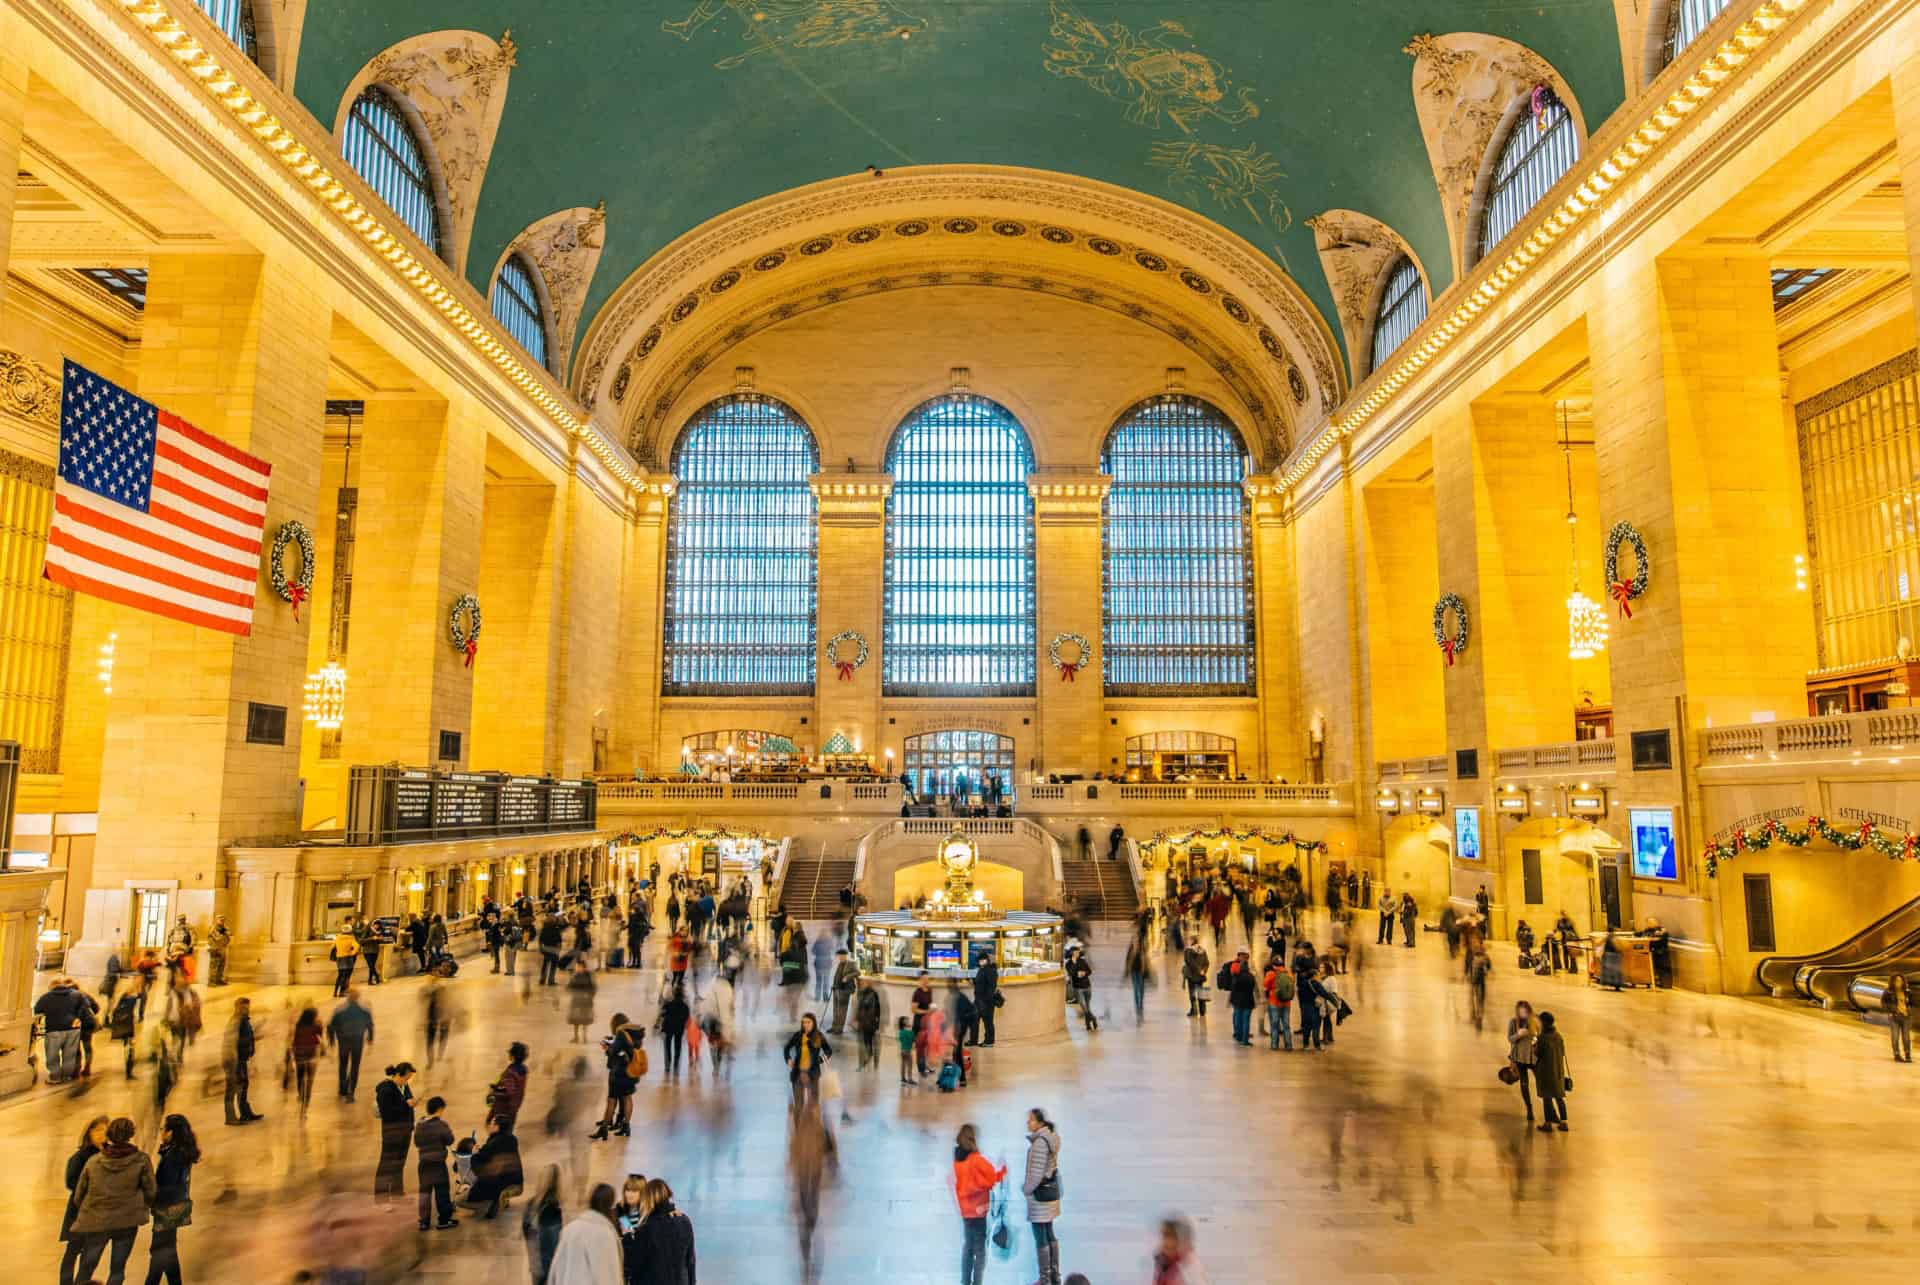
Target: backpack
(1283,986)
(1223,980)
(637,1062)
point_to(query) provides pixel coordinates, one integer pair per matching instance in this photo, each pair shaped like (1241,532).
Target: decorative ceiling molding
(1465,86)
(1055,214)
(652,379)
(1356,251)
(30,393)
(565,248)
(457,83)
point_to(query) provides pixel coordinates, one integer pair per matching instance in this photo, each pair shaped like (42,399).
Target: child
(904,1033)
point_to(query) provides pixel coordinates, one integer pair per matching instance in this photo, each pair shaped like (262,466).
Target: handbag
(1508,1075)
(173,1217)
(1567,1084)
(1047,1190)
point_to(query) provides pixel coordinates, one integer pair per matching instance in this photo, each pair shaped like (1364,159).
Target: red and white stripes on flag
(151,512)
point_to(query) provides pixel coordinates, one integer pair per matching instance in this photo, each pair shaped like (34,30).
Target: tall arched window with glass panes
(380,143)
(1176,561)
(1686,19)
(516,305)
(741,554)
(959,592)
(1403,306)
(1539,148)
(235,20)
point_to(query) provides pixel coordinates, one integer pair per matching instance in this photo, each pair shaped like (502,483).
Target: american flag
(152,512)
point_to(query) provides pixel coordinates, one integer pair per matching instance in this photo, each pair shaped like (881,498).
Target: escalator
(1829,984)
(1868,992)
(1898,930)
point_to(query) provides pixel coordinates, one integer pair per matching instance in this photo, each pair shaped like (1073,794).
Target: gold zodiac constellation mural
(800,24)
(1241,178)
(1156,73)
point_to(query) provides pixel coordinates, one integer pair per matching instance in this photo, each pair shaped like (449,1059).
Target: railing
(1047,793)
(887,790)
(876,798)
(1875,733)
(1595,756)
(1417,769)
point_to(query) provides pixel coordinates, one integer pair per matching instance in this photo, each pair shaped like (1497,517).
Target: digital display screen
(1466,833)
(978,952)
(1654,856)
(943,954)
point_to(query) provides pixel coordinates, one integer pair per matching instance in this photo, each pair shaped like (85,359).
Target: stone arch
(1357,251)
(453,84)
(1467,89)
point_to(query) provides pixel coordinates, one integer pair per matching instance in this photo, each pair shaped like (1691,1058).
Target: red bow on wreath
(1068,669)
(473,649)
(1447,646)
(296,594)
(846,669)
(1623,594)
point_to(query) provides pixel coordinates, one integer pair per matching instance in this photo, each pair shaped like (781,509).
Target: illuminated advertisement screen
(1466,833)
(1653,851)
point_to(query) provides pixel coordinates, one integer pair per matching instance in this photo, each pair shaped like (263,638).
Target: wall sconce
(105,670)
(326,698)
(1800,572)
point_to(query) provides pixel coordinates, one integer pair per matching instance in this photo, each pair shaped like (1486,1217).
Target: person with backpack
(974,1178)
(1080,982)
(1041,1187)
(1193,967)
(625,1048)
(1278,988)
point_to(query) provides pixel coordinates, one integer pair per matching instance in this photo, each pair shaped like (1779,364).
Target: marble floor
(1713,1139)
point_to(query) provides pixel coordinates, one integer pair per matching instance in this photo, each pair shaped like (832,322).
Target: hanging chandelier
(1586,619)
(326,702)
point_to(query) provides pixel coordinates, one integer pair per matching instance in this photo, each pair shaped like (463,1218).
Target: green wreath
(1068,668)
(1625,591)
(846,667)
(1455,642)
(298,587)
(465,638)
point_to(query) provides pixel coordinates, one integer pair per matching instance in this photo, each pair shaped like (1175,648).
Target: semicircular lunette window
(1686,19)
(379,142)
(235,20)
(959,595)
(1538,150)
(1403,306)
(1176,564)
(516,305)
(741,566)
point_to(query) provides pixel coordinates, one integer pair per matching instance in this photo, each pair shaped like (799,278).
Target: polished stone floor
(1713,1139)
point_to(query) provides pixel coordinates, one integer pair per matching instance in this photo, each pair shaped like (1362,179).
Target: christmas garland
(661,832)
(1285,837)
(1455,643)
(1866,836)
(466,640)
(846,667)
(297,588)
(1068,668)
(1625,591)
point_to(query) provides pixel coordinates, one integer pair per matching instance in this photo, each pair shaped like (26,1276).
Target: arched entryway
(934,759)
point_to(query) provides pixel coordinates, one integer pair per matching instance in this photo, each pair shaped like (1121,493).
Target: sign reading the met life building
(1466,833)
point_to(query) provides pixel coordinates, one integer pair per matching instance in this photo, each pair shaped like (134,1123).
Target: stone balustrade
(1887,733)
(1586,758)
(1431,768)
(879,798)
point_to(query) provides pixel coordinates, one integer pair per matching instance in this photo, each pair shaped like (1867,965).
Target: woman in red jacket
(974,1179)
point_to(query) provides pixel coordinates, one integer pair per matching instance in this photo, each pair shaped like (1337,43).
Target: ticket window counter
(337,905)
(956,951)
(410,892)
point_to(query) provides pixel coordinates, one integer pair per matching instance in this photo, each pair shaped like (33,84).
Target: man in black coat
(236,1055)
(986,991)
(432,1139)
(1241,992)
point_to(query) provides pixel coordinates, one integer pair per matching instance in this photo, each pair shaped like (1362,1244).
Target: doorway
(934,758)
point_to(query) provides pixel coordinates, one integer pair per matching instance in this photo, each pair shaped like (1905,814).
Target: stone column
(422,471)
(238,346)
(1906,123)
(515,676)
(13,113)
(853,555)
(1067,576)
(23,896)
(1281,751)
(586,625)
(637,728)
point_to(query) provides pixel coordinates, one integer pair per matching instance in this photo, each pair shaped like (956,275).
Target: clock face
(956,854)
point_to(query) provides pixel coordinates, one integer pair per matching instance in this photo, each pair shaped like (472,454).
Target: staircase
(812,887)
(1101,889)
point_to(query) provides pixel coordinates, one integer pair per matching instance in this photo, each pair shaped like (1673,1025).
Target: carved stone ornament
(1464,85)
(29,391)
(457,82)
(1355,251)
(565,248)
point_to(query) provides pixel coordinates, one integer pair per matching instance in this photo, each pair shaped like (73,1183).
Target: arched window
(235,18)
(935,759)
(1537,151)
(382,148)
(1176,570)
(1403,306)
(740,553)
(516,305)
(1686,19)
(959,607)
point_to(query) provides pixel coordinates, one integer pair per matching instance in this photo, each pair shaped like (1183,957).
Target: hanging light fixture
(326,695)
(326,702)
(1586,619)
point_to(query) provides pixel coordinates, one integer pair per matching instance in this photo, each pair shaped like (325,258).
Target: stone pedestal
(23,898)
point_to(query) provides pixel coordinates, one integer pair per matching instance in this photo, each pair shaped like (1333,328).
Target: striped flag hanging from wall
(151,512)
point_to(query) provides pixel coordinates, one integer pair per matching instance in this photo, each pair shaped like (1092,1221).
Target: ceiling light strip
(1707,80)
(220,84)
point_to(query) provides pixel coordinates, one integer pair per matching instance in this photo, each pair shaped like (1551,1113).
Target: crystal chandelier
(326,703)
(1586,619)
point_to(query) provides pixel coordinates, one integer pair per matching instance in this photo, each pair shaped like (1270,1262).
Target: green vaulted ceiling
(1256,113)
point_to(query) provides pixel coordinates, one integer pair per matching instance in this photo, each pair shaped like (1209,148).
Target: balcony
(1431,768)
(1562,758)
(883,798)
(1886,735)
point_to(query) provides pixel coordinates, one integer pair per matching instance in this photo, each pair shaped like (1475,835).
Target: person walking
(303,1052)
(349,1031)
(345,949)
(1242,993)
(588,1251)
(219,941)
(661,1249)
(675,1014)
(1550,1075)
(1899,1006)
(580,991)
(625,1047)
(1193,969)
(552,939)
(62,1011)
(506,1095)
(866,1023)
(1523,1033)
(236,1056)
(1279,988)
(112,1200)
(806,1052)
(845,978)
(1173,1261)
(173,1198)
(432,1139)
(822,968)
(974,1178)
(1080,982)
(540,1224)
(1137,975)
(1408,913)
(393,1105)
(92,1138)
(986,998)
(1042,1190)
